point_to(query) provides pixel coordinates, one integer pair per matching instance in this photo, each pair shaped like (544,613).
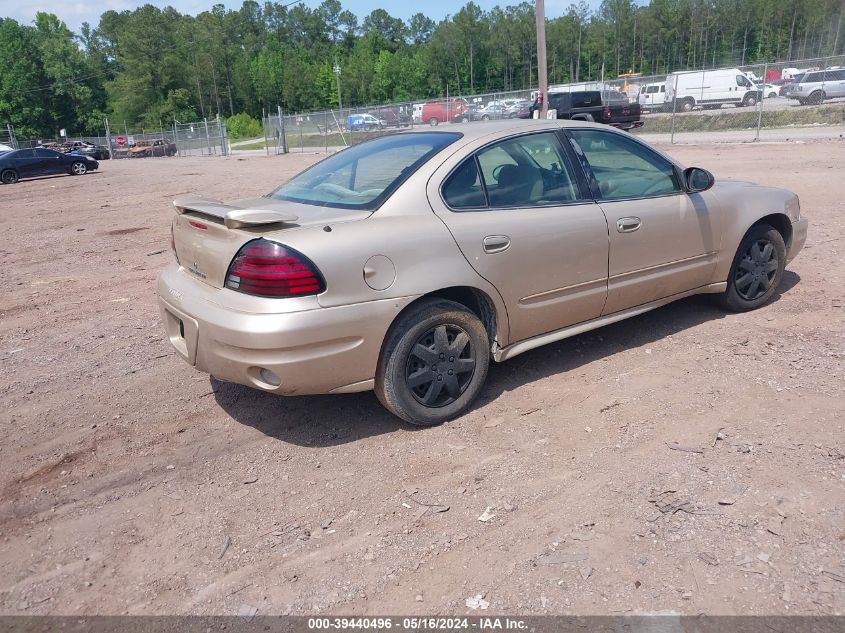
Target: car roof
(481,129)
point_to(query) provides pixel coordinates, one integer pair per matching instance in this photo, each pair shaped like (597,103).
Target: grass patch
(334,139)
(256,145)
(745,119)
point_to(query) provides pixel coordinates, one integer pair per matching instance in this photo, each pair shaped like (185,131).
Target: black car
(26,163)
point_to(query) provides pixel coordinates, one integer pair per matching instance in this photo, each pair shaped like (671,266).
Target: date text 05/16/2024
(418,623)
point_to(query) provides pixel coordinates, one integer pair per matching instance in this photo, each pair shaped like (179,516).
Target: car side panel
(405,256)
(744,205)
(674,249)
(28,165)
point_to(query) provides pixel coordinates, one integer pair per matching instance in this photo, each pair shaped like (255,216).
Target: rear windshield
(363,176)
(613,96)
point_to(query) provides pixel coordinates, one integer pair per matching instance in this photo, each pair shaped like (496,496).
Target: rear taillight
(268,269)
(607,114)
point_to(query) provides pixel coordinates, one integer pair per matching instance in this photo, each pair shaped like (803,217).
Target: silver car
(814,87)
(406,263)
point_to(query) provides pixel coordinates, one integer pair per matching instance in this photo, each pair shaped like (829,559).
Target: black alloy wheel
(757,269)
(440,366)
(433,362)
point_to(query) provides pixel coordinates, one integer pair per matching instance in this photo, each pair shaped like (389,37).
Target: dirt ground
(131,484)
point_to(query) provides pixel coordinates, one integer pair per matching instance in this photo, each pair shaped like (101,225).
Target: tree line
(153,65)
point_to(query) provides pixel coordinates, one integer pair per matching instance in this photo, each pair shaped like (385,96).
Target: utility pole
(337,76)
(542,71)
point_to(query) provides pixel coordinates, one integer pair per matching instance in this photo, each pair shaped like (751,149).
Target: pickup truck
(602,106)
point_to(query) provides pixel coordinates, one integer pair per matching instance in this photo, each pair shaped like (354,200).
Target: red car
(456,110)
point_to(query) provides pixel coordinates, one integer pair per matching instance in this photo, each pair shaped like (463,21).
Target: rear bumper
(799,238)
(628,125)
(311,351)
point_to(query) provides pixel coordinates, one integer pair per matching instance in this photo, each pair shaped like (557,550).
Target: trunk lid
(207,234)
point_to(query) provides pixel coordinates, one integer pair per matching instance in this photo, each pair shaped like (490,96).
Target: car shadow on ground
(54,176)
(331,420)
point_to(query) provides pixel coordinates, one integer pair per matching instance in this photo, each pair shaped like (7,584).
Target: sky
(75,12)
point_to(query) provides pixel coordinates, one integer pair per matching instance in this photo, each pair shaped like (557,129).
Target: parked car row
(711,89)
(380,119)
(81,148)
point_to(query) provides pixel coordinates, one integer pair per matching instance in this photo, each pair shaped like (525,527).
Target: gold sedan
(408,262)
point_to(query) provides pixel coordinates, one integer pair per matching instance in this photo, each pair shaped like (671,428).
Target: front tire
(757,269)
(433,121)
(78,168)
(9,177)
(687,105)
(433,364)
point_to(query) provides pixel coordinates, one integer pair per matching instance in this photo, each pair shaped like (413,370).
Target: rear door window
(463,189)
(527,171)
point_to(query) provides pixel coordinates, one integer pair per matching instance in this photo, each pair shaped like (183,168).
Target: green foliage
(149,65)
(242,125)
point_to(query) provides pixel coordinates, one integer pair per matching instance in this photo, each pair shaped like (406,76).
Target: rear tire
(9,177)
(757,269)
(433,121)
(433,363)
(687,105)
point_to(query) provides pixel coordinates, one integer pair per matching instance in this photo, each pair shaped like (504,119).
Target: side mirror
(698,179)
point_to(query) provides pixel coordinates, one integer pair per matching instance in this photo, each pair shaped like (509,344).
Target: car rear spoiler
(233,217)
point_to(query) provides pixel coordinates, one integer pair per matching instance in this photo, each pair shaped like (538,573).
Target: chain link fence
(200,138)
(729,104)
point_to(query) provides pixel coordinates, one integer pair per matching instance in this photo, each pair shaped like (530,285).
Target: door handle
(496,243)
(628,225)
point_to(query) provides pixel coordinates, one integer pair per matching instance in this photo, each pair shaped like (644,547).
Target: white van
(417,113)
(711,89)
(653,96)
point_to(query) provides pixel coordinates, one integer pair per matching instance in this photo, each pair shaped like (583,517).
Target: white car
(5,148)
(768,90)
